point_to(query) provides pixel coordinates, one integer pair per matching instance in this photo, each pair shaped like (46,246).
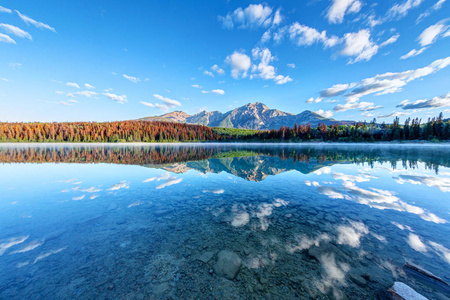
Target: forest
(435,129)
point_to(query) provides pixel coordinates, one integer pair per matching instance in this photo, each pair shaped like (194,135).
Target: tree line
(145,131)
(123,131)
(435,129)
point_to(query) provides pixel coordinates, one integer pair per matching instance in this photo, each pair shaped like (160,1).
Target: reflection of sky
(369,187)
(413,203)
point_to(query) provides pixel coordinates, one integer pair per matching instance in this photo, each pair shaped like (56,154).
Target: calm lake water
(222,221)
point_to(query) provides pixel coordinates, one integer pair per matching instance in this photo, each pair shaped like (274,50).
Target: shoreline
(135,144)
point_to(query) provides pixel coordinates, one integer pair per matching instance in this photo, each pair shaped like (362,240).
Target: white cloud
(432,33)
(335,90)
(435,102)
(10,29)
(131,78)
(266,36)
(196,86)
(339,8)
(359,45)
(162,107)
(218,70)
(413,53)
(401,10)
(372,21)
(5,10)
(36,24)
(264,70)
(278,35)
(240,63)
(435,7)
(280,79)
(326,114)
(119,99)
(167,101)
(292,66)
(147,104)
(387,83)
(303,35)
(370,108)
(278,18)
(253,16)
(393,114)
(206,72)
(391,40)
(67,103)
(73,84)
(88,94)
(6,39)
(216,91)
(354,105)
(88,86)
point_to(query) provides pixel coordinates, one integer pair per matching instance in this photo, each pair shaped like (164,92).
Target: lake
(222,221)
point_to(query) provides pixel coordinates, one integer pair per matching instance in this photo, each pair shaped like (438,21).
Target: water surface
(304,221)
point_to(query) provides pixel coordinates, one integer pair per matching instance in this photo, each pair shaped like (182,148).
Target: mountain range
(250,116)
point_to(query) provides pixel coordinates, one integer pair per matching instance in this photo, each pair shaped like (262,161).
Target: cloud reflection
(442,183)
(31,246)
(122,185)
(8,243)
(169,181)
(416,243)
(351,235)
(47,254)
(218,191)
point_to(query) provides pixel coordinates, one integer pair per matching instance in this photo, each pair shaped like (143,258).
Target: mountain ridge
(250,116)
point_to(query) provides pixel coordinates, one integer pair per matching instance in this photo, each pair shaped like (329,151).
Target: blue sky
(116,60)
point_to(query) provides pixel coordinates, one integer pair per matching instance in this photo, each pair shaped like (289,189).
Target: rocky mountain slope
(250,116)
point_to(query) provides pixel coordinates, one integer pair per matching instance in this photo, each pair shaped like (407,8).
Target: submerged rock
(401,291)
(227,265)
(423,272)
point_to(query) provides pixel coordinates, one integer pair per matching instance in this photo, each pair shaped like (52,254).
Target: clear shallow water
(137,222)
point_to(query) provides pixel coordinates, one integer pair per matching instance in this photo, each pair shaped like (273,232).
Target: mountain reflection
(251,162)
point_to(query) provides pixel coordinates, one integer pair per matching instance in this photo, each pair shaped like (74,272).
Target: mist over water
(158,221)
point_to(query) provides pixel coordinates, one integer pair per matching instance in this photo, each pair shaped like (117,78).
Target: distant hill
(250,116)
